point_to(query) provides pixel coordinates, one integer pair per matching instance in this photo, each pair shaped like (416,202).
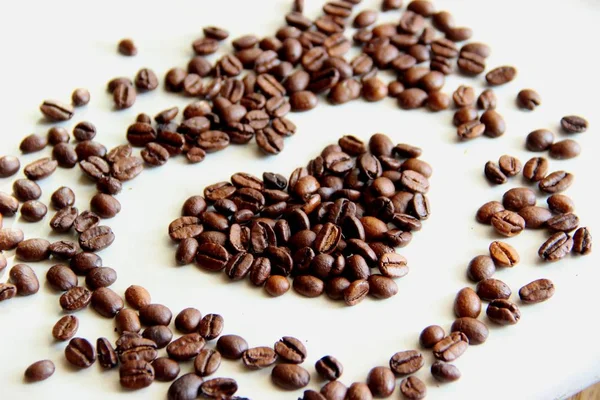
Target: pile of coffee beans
(331,227)
(327,226)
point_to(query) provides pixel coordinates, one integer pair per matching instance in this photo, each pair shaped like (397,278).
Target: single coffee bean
(56,111)
(106,302)
(84,131)
(556,247)
(556,182)
(539,140)
(127,320)
(517,198)
(329,368)
(32,250)
(64,219)
(80,97)
(537,291)
(188,319)
(259,357)
(470,63)
(7,291)
(25,190)
(528,99)
(75,299)
(574,124)
(61,277)
(154,154)
(291,350)
(494,123)
(185,387)
(503,312)
(104,205)
(565,149)
(412,98)
(535,217)
(451,347)
(464,115)
(65,328)
(159,334)
(136,374)
(63,249)
(186,347)
(381,381)
(207,362)
(9,166)
(33,211)
(480,268)
(165,369)
(232,346)
(9,205)
(470,130)
(290,376)
(536,169)
(413,388)
(501,75)
(582,241)
(467,303)
(277,285)
(107,357)
(508,223)
(464,96)
(82,262)
(124,96)
(510,165)
(406,362)
(96,238)
(218,387)
(494,174)
(475,330)
(308,286)
(100,277)
(62,197)
(560,204)
(211,326)
(127,168)
(127,48)
(155,314)
(80,353)
(431,335)
(40,169)
(131,346)
(492,289)
(39,371)
(487,100)
(563,222)
(443,372)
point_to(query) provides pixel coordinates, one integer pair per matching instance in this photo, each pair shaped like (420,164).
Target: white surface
(53,47)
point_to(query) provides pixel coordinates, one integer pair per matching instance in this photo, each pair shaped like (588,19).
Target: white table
(50,48)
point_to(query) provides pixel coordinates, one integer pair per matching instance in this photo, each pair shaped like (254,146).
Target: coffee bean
(127,48)
(61,277)
(517,198)
(464,96)
(475,330)
(154,154)
(381,381)
(89,148)
(451,347)
(96,238)
(165,369)
(431,335)
(556,247)
(464,115)
(471,63)
(8,205)
(25,189)
(107,358)
(62,197)
(75,299)
(356,292)
(40,169)
(185,387)
(467,303)
(33,211)
(412,98)
(215,32)
(104,205)
(127,320)
(510,165)
(215,387)
(574,124)
(155,314)
(539,140)
(33,143)
(65,155)
(537,291)
(82,262)
(56,111)
(80,97)
(528,99)
(7,291)
(9,166)
(536,169)
(207,362)
(159,334)
(563,222)
(406,362)
(494,174)
(106,302)
(508,223)
(136,374)
(503,312)
(65,328)
(131,346)
(277,285)
(556,182)
(470,130)
(492,289)
(494,123)
(503,254)
(85,221)
(443,372)
(64,219)
(188,319)
(80,353)
(39,371)
(259,357)
(501,75)
(124,96)
(291,350)
(438,101)
(487,100)
(582,241)
(565,149)
(186,347)
(32,250)
(413,388)
(290,376)
(535,217)
(232,346)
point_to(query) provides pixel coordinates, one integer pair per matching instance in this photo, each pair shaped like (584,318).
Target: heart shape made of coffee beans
(158,193)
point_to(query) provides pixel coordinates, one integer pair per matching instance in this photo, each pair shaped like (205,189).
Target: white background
(50,48)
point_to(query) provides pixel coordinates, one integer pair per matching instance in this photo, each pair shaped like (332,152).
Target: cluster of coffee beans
(327,226)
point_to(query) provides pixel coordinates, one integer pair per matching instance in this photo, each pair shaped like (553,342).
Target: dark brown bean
(232,346)
(582,241)
(207,362)
(451,347)
(290,376)
(259,357)
(65,328)
(413,388)
(61,277)
(475,330)
(406,362)
(492,289)
(574,124)
(80,353)
(486,212)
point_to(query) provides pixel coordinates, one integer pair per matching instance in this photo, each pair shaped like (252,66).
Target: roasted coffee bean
(9,166)
(96,238)
(232,346)
(75,299)
(82,262)
(560,204)
(32,250)
(329,368)
(33,211)
(494,123)
(61,277)
(407,362)
(62,197)
(8,205)
(185,387)
(412,388)
(574,124)
(211,326)
(106,302)
(213,388)
(503,254)
(137,297)
(40,169)
(518,198)
(25,189)
(239,266)
(536,169)
(565,149)
(303,101)
(186,347)
(291,350)
(127,320)
(470,130)
(131,346)
(136,374)
(84,131)
(259,357)
(39,371)
(85,221)
(106,354)
(159,334)
(464,115)
(494,174)
(124,96)
(186,227)
(64,219)
(539,140)
(487,100)
(443,372)
(451,347)
(94,167)
(381,381)
(100,277)
(582,241)
(412,98)
(207,362)
(63,249)
(65,328)
(165,369)
(105,206)
(535,217)
(186,251)
(80,353)
(563,222)
(492,289)
(393,265)
(7,291)
(537,291)
(56,111)
(510,165)
(127,168)
(356,292)
(471,63)
(308,286)
(113,83)
(127,48)
(89,148)
(139,134)
(503,312)
(556,247)
(557,181)
(467,303)
(33,143)
(155,314)
(475,330)
(528,99)
(277,285)
(290,376)
(464,96)
(80,97)
(154,154)
(508,223)
(501,75)
(382,287)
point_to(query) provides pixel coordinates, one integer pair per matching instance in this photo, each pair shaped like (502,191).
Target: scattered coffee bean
(290,376)
(80,353)
(536,169)
(574,124)
(259,357)
(431,335)
(556,247)
(65,328)
(467,303)
(565,149)
(556,182)
(475,330)
(560,204)
(232,346)
(165,369)
(207,362)
(413,388)
(528,99)
(582,241)
(61,277)
(406,362)
(503,312)
(443,372)
(39,371)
